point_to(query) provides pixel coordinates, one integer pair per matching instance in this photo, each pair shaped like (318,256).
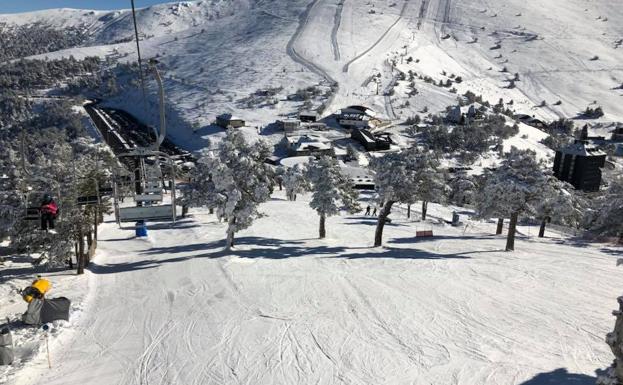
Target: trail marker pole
(47,345)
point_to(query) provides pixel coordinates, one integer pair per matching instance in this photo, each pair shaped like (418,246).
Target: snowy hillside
(215,54)
(287,308)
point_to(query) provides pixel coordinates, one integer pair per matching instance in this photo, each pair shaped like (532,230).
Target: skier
(367,210)
(374,212)
(49,211)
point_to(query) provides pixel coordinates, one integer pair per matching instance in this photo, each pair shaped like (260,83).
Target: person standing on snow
(49,211)
(367,210)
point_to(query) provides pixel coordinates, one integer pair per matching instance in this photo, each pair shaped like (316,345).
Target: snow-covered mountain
(216,53)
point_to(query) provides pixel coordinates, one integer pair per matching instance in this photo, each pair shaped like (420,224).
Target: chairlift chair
(32,214)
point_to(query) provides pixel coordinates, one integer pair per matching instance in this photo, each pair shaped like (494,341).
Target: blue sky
(12,6)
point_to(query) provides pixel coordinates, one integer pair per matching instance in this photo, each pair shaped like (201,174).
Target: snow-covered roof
(308,113)
(581,148)
(229,117)
(357,111)
(290,120)
(312,145)
(294,160)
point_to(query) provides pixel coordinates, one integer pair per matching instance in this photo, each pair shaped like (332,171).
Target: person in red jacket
(49,211)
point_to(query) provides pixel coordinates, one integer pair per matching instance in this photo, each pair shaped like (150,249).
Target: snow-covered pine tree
(295,181)
(462,190)
(609,221)
(241,181)
(516,187)
(279,172)
(12,200)
(396,180)
(431,186)
(614,374)
(200,190)
(560,203)
(331,190)
(351,153)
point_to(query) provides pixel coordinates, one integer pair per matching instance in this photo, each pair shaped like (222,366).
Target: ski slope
(287,308)
(216,53)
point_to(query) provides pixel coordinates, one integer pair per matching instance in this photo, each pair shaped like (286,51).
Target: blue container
(141,229)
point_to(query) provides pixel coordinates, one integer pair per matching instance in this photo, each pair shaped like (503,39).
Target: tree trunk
(95,222)
(230,234)
(424,209)
(87,258)
(71,263)
(322,233)
(544,222)
(500,228)
(80,256)
(378,235)
(408,211)
(510,240)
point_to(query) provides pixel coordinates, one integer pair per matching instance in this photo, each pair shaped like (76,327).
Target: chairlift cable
(138,51)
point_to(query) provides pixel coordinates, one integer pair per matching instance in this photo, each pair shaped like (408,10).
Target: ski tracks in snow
(144,363)
(293,53)
(337,21)
(383,36)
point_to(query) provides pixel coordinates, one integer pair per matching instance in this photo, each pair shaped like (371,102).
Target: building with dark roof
(617,134)
(229,121)
(580,165)
(308,116)
(371,142)
(355,117)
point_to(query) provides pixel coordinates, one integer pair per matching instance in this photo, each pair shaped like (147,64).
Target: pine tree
(351,153)
(462,190)
(609,218)
(614,374)
(241,181)
(560,203)
(515,188)
(396,180)
(331,190)
(431,185)
(295,181)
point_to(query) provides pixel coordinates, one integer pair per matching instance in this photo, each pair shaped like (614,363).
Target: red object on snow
(49,208)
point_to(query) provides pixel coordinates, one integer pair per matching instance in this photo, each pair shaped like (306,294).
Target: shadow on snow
(267,248)
(560,377)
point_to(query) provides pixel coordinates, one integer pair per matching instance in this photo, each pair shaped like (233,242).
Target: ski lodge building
(229,121)
(371,142)
(580,165)
(308,116)
(308,145)
(356,117)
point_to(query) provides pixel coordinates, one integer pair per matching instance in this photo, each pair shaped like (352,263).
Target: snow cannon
(38,289)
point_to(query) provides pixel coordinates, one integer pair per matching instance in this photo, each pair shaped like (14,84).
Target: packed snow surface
(287,308)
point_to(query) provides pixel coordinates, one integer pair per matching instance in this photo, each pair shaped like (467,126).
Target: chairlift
(32,214)
(159,213)
(88,200)
(148,177)
(32,210)
(106,191)
(149,199)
